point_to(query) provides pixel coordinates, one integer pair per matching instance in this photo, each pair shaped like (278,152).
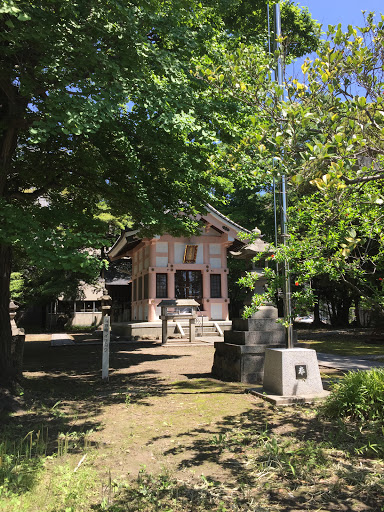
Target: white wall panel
(162,247)
(216,311)
(215,262)
(214,249)
(161,261)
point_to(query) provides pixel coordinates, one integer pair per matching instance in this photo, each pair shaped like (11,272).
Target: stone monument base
(241,357)
(292,372)
(238,363)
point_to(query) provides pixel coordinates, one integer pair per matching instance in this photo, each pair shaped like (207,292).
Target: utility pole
(284,227)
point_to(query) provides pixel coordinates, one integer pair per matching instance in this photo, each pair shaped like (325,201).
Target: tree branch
(31,196)
(365,179)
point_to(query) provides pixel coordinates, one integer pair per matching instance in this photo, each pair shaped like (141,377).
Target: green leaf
(362,101)
(23,17)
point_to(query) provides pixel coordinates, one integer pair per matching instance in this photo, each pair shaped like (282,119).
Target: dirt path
(162,414)
(160,409)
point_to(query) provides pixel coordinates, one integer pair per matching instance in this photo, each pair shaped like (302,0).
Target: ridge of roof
(219,214)
(122,238)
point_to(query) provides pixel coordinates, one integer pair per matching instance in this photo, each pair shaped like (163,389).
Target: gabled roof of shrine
(226,220)
(128,240)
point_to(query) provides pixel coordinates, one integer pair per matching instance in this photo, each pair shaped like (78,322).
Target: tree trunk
(340,312)
(7,369)
(316,314)
(357,313)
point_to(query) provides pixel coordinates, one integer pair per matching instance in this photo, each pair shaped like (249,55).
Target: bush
(79,328)
(359,396)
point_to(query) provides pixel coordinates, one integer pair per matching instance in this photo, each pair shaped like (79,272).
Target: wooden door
(189,285)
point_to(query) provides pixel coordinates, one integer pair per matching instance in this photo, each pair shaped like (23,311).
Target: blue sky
(333,12)
(347,12)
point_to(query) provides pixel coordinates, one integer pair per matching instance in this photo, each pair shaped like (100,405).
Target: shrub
(359,396)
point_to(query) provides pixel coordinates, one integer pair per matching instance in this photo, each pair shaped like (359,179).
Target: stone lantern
(18,339)
(12,313)
(106,304)
(176,309)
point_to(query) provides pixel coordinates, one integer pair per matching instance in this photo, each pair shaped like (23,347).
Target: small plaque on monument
(301,371)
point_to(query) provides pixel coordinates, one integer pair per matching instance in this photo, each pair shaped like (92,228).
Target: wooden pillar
(152,254)
(151,311)
(106,342)
(164,331)
(151,296)
(171,252)
(206,290)
(171,285)
(224,284)
(206,254)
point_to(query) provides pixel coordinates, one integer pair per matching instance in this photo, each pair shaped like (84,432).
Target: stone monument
(241,357)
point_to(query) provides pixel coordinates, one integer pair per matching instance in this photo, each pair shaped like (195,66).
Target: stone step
(256,324)
(255,337)
(207,331)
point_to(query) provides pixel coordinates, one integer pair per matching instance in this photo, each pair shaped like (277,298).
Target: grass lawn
(163,435)
(349,342)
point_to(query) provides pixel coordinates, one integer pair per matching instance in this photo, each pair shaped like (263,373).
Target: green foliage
(359,396)
(335,250)
(113,114)
(292,461)
(286,457)
(69,491)
(340,112)
(80,328)
(103,116)
(249,21)
(115,105)
(252,207)
(21,462)
(163,492)
(327,138)
(76,156)
(16,285)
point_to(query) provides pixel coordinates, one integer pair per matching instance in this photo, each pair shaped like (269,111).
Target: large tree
(330,136)
(99,106)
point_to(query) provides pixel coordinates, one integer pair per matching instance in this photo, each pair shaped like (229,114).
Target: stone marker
(106,342)
(292,372)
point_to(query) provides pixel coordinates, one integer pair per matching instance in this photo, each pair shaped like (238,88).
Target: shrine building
(195,267)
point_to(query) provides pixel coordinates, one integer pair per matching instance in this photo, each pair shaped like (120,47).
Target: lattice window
(161,286)
(215,286)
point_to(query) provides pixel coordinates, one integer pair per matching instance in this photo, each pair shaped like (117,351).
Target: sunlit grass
(344,346)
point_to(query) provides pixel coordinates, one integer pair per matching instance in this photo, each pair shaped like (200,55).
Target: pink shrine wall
(164,255)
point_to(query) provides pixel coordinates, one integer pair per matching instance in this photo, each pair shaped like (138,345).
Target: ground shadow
(63,390)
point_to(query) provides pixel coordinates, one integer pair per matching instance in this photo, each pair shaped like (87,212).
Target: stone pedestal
(241,357)
(18,339)
(292,372)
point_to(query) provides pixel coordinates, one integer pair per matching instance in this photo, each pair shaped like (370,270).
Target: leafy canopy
(327,138)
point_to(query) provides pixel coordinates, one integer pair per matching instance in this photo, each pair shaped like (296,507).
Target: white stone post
(164,325)
(106,342)
(191,330)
